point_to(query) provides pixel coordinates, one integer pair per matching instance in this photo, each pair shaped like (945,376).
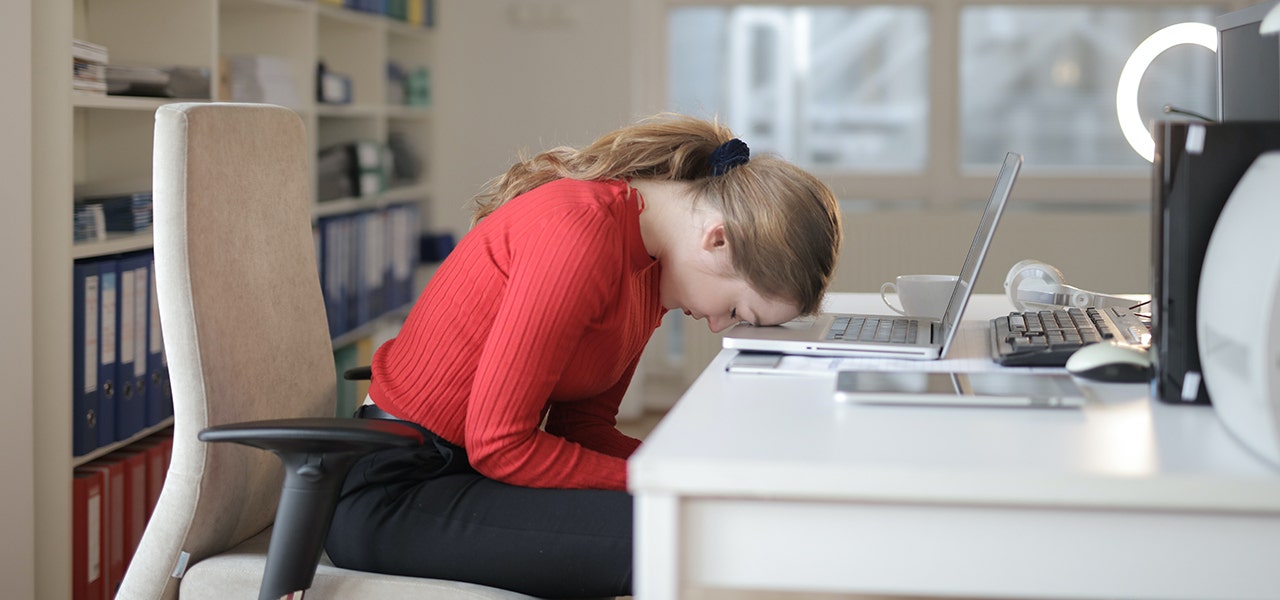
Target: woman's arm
(594,422)
(562,270)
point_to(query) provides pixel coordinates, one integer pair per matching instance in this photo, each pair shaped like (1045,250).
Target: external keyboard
(1049,337)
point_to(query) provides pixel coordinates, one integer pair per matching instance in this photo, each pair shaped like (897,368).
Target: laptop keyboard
(1049,337)
(874,329)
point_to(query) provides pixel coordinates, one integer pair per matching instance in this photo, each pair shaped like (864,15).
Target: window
(826,86)
(1042,79)
(921,101)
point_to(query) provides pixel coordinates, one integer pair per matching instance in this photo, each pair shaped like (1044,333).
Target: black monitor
(1248,66)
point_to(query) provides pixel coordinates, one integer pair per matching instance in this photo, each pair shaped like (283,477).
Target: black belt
(371,411)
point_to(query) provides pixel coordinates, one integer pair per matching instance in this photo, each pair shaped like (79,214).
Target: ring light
(1135,132)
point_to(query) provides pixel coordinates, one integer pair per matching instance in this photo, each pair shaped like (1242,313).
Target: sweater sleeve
(594,422)
(562,270)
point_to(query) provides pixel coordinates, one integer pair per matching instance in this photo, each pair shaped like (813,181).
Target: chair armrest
(317,455)
(364,373)
(317,434)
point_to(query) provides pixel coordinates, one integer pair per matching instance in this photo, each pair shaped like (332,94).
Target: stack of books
(352,170)
(419,88)
(421,12)
(89,67)
(127,213)
(415,12)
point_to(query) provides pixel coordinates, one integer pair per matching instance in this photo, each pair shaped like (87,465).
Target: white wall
(17,496)
(522,75)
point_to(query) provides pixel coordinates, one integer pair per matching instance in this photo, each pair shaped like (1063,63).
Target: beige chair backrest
(243,318)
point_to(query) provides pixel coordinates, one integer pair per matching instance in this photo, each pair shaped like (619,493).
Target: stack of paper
(88,67)
(260,78)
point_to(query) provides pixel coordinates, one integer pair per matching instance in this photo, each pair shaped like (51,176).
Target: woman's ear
(715,246)
(714,237)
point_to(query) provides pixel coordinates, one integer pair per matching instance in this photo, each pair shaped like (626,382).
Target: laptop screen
(978,249)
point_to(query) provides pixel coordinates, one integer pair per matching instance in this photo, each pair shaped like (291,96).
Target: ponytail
(665,147)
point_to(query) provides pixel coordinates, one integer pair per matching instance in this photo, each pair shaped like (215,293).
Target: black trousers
(425,512)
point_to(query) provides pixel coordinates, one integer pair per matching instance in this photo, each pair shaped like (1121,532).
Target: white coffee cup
(921,295)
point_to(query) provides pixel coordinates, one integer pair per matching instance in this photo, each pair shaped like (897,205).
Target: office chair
(250,361)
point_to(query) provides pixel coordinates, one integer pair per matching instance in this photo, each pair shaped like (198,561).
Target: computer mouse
(1111,362)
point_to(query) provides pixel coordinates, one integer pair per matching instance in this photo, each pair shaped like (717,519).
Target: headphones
(1034,285)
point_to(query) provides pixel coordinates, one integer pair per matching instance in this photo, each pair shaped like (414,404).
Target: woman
(517,354)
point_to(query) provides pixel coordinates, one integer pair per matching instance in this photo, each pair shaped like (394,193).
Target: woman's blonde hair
(782,224)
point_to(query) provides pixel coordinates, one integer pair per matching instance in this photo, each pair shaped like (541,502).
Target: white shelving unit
(104,142)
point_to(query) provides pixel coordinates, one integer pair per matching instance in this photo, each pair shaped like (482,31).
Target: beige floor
(659,391)
(639,428)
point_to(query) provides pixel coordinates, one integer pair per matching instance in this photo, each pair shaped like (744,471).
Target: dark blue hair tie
(727,156)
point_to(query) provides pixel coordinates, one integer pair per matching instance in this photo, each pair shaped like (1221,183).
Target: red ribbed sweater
(541,311)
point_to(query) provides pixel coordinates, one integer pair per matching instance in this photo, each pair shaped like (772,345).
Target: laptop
(928,339)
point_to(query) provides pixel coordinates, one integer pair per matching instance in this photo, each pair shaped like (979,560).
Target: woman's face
(705,287)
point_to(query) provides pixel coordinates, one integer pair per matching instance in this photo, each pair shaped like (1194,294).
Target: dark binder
(84,349)
(131,374)
(412,253)
(108,346)
(157,449)
(361,264)
(159,399)
(135,499)
(87,536)
(113,521)
(391,238)
(334,274)
(350,266)
(408,252)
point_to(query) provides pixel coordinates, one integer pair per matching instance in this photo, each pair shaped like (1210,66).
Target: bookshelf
(96,142)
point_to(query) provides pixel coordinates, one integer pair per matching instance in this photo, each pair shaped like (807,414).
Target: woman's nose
(718,324)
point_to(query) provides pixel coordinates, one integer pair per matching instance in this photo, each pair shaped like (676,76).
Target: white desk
(764,482)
